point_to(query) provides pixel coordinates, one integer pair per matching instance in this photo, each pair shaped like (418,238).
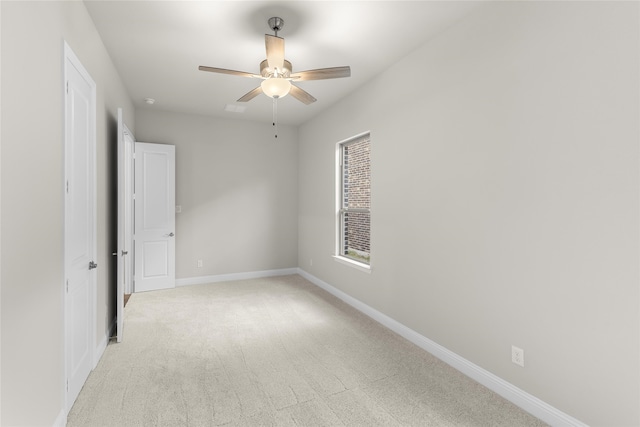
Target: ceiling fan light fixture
(275,87)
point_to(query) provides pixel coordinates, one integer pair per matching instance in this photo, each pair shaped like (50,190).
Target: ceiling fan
(277,73)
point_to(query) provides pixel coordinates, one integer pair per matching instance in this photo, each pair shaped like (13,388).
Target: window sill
(351,263)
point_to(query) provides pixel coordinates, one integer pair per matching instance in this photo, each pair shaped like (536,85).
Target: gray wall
(504,198)
(32,173)
(237,186)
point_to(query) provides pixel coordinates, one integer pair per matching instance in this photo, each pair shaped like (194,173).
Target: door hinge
(67,386)
(67,285)
(67,86)
(67,186)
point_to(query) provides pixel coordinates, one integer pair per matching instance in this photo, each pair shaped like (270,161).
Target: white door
(80,225)
(125,220)
(154,231)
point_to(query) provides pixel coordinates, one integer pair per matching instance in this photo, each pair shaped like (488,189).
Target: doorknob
(170,234)
(92,265)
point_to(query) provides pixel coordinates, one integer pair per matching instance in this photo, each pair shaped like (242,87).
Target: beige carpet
(279,352)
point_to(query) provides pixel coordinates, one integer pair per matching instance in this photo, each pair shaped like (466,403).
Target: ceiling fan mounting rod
(276,24)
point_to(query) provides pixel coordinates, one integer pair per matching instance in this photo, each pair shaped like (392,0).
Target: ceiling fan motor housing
(267,72)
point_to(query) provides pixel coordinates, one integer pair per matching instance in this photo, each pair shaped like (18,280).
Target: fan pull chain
(275,115)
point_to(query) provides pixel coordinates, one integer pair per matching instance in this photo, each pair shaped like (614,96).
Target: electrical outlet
(178,209)
(517,355)
(199,263)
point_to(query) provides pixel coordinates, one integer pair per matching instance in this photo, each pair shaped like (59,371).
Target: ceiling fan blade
(275,51)
(250,95)
(225,71)
(322,73)
(301,95)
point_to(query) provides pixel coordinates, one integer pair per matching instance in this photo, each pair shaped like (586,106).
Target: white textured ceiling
(157,47)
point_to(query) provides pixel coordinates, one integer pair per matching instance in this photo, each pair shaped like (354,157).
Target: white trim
(355,138)
(519,397)
(61,420)
(1,221)
(201,280)
(352,263)
(125,248)
(104,342)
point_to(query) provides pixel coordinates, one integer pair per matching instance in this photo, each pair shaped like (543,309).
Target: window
(354,199)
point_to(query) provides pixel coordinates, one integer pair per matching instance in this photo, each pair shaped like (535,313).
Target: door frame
(71,59)
(125,253)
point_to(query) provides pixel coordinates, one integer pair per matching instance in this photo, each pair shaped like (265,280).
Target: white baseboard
(521,398)
(61,419)
(235,276)
(103,344)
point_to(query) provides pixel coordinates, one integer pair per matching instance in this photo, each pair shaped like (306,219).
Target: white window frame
(340,210)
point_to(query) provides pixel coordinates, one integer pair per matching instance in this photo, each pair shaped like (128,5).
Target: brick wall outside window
(357,194)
